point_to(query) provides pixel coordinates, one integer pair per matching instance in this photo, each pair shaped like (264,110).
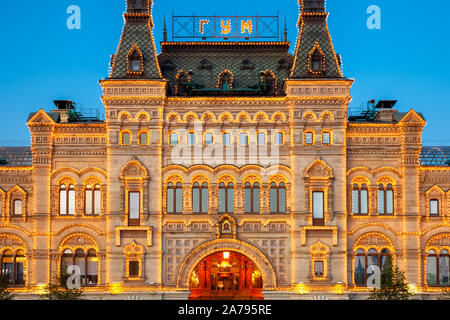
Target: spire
(165,30)
(136,55)
(314,54)
(285,30)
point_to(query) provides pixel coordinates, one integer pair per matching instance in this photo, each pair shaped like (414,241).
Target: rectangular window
(208,139)
(434,207)
(134,208)
(17,207)
(380,201)
(243,139)
(226,139)
(88,202)
(309,138)
(355,201)
(318,269)
(318,208)
(143,139)
(126,139)
(326,138)
(133,268)
(191,139)
(97,202)
(278,139)
(261,139)
(174,139)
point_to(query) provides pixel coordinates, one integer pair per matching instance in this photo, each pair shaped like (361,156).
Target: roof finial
(165,30)
(285,30)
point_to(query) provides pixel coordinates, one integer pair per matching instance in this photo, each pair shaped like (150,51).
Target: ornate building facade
(211,178)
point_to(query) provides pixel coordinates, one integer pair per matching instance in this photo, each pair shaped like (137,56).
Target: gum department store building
(210,178)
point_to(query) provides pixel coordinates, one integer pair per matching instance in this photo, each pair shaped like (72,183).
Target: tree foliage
(5,294)
(60,290)
(393,284)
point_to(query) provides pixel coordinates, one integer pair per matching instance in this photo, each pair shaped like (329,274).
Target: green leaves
(393,284)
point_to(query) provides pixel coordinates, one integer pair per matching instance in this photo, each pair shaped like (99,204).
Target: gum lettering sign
(225,27)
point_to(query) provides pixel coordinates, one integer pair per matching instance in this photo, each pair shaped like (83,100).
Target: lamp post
(205,267)
(245,272)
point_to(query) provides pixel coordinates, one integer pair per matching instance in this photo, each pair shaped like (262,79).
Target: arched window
(362,264)
(385,199)
(174,198)
(88,264)
(226,198)
(360,199)
(438,272)
(225,81)
(13,266)
(92,200)
(444,272)
(252,198)
(269,82)
(67,200)
(360,268)
(200,198)
(277,198)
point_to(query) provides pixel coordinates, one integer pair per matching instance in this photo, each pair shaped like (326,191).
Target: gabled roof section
(43,117)
(413,118)
(313,32)
(136,32)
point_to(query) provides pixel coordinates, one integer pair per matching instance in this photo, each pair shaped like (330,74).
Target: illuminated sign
(244,27)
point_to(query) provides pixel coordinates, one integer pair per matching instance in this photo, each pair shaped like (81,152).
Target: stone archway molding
(218,245)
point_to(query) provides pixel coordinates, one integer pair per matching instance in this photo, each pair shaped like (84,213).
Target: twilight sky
(42,60)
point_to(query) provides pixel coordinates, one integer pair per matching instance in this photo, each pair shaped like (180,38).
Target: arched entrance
(226,275)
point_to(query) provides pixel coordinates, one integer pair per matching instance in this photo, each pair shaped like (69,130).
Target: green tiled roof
(208,60)
(312,30)
(138,33)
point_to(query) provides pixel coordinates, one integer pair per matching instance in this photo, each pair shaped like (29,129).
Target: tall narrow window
(208,139)
(191,139)
(434,207)
(261,139)
(134,206)
(252,198)
(277,198)
(226,139)
(243,137)
(67,200)
(309,138)
(360,268)
(92,200)
(432,265)
(92,268)
(133,269)
(360,199)
(317,61)
(174,198)
(318,269)
(200,198)
(143,138)
(126,138)
(71,200)
(174,139)
(326,138)
(226,198)
(444,271)
(17,208)
(318,208)
(385,199)
(279,139)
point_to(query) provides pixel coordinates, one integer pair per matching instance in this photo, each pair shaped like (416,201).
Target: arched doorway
(226,275)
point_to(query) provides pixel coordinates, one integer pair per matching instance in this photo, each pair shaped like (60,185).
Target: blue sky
(41,60)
